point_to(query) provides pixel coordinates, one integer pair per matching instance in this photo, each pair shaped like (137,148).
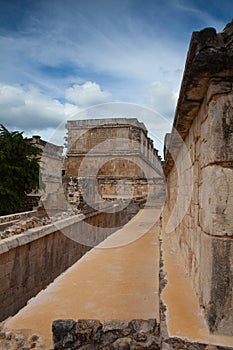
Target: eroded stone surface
(112,335)
(199,187)
(16,340)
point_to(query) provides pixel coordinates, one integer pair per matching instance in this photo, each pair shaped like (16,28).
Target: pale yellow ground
(119,279)
(184,317)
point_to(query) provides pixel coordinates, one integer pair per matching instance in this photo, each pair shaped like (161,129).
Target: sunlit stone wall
(200,175)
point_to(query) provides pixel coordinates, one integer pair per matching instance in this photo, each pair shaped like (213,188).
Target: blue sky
(59,57)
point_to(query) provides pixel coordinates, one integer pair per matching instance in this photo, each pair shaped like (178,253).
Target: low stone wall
(109,335)
(18,216)
(33,259)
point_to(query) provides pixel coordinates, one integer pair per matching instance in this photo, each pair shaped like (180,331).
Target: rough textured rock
(109,335)
(20,341)
(23,225)
(210,57)
(177,343)
(118,335)
(200,186)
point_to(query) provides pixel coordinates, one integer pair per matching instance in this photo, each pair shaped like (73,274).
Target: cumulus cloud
(162,98)
(27,108)
(87,94)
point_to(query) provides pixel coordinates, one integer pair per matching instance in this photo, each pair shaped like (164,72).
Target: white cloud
(27,108)
(127,55)
(162,98)
(87,94)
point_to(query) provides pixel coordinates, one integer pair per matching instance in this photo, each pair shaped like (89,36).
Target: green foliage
(19,169)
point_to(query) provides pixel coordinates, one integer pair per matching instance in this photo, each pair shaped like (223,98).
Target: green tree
(19,169)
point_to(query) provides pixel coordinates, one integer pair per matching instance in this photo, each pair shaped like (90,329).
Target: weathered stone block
(215,268)
(204,120)
(115,334)
(216,201)
(217,87)
(217,132)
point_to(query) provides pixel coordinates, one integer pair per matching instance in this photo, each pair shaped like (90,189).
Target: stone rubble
(19,341)
(28,223)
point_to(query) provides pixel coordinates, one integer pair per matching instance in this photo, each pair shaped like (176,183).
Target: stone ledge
(110,122)
(36,233)
(41,231)
(17,216)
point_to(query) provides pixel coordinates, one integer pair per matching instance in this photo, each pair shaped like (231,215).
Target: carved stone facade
(117,154)
(200,184)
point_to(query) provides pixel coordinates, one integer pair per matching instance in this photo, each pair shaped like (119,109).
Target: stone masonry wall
(111,335)
(32,260)
(200,185)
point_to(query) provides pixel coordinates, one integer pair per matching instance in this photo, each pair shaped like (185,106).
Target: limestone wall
(30,261)
(199,170)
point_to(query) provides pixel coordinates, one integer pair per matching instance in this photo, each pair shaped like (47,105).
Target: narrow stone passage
(119,279)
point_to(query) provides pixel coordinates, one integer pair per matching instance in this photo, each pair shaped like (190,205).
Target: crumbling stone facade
(109,140)
(118,155)
(51,163)
(199,174)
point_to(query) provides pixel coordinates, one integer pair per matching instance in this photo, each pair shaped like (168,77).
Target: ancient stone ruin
(113,159)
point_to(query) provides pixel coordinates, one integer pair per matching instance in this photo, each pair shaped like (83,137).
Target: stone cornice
(210,56)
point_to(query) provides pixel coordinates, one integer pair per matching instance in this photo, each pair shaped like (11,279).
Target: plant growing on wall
(19,169)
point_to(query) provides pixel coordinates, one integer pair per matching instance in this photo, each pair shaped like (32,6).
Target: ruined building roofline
(49,149)
(91,123)
(210,57)
(37,140)
(110,122)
